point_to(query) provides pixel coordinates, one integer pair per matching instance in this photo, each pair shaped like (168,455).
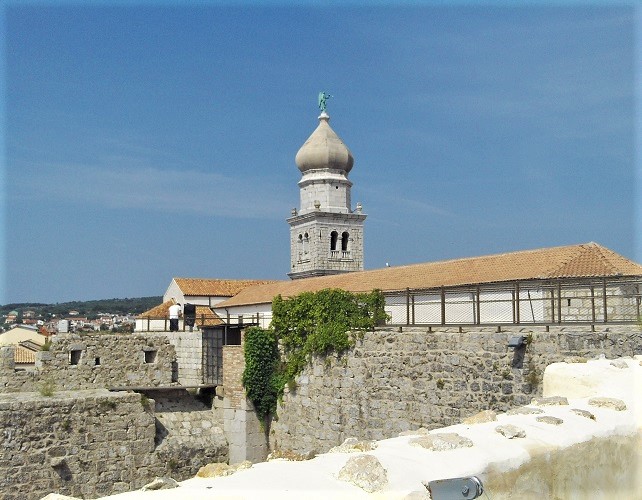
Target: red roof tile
(215,287)
(575,261)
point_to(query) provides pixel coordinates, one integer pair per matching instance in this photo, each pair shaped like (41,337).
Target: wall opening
(74,356)
(150,356)
(334,236)
(345,238)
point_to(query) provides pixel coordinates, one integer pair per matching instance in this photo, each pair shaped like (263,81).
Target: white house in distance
(21,333)
(202,293)
(27,340)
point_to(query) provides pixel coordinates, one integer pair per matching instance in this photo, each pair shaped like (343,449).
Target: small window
(345,237)
(334,236)
(74,357)
(97,362)
(150,356)
(568,302)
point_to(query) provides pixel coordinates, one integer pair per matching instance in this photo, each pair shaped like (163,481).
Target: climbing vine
(312,323)
(261,365)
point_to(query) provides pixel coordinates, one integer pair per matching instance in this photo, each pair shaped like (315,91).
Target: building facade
(326,234)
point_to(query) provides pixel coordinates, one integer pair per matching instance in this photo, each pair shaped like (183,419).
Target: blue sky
(144,142)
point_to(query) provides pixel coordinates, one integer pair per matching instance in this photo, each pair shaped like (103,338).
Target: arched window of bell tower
(334,236)
(345,238)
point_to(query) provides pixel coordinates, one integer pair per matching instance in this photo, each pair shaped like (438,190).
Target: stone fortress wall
(63,431)
(76,362)
(188,347)
(393,381)
(85,443)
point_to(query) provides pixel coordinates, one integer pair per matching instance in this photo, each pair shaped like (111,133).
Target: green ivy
(261,360)
(312,323)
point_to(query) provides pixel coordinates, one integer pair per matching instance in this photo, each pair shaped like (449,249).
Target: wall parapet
(86,443)
(393,381)
(76,362)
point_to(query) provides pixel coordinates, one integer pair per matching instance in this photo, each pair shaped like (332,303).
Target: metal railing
(533,302)
(545,302)
(200,321)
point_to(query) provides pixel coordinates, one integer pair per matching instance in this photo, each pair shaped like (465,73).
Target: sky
(146,141)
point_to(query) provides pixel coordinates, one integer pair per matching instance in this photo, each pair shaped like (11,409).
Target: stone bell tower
(326,235)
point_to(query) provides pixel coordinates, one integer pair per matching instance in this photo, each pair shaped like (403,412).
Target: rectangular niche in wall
(74,356)
(150,356)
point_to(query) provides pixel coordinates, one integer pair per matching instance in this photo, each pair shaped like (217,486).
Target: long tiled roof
(575,261)
(215,287)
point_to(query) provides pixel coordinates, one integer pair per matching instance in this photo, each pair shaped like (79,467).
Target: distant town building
(28,340)
(12,317)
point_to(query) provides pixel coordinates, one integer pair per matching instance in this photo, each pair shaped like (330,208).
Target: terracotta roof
(31,345)
(215,287)
(206,317)
(22,355)
(160,311)
(575,261)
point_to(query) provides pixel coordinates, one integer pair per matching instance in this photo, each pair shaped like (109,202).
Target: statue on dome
(323,97)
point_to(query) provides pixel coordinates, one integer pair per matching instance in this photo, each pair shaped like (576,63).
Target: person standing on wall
(174,314)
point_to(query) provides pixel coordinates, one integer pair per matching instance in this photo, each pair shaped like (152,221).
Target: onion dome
(324,149)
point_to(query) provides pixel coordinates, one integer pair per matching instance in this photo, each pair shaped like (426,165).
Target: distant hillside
(87,308)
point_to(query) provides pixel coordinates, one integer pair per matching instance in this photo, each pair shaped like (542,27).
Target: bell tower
(326,235)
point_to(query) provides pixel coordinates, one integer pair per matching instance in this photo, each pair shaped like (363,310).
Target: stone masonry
(85,444)
(393,381)
(245,433)
(76,362)
(189,434)
(188,347)
(64,432)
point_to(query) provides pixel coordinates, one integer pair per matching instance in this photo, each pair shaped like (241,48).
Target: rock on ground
(366,472)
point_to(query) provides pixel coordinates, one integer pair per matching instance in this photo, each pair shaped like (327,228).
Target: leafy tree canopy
(88,308)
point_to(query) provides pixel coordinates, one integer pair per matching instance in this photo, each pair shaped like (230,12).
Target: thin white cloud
(153,189)
(392,199)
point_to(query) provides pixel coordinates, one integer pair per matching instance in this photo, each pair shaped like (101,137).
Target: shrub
(47,388)
(308,324)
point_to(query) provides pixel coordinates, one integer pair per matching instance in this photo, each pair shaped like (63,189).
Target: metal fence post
(516,292)
(478,313)
(407,306)
(604,299)
(412,299)
(559,302)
